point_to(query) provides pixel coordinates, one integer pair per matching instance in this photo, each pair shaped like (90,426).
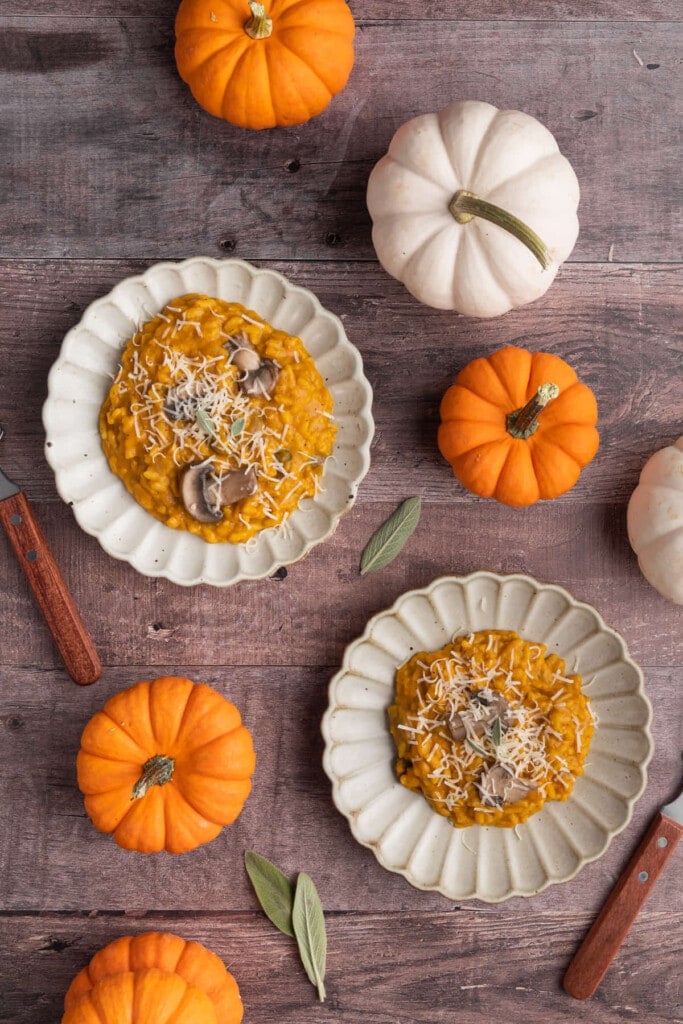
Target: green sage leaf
(475,747)
(237,427)
(309,930)
(386,542)
(274,890)
(205,422)
(496,732)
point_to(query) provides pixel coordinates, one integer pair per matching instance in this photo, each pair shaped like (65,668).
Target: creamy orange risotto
(489,728)
(216,422)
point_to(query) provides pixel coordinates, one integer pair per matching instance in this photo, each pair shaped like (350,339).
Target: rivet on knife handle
(56,603)
(610,928)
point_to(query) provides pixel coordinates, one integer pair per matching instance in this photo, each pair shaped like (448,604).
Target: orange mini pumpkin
(142,997)
(518,426)
(165,765)
(191,961)
(280,66)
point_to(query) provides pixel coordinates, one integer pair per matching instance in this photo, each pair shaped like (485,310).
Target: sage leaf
(237,427)
(309,929)
(496,732)
(274,890)
(475,747)
(386,542)
(205,422)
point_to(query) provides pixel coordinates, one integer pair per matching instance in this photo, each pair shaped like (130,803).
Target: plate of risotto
(208,421)
(487,736)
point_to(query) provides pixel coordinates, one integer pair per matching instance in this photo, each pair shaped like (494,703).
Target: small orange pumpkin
(191,961)
(280,66)
(165,765)
(518,427)
(142,997)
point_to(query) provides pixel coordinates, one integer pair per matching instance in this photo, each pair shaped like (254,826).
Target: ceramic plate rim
(52,442)
(392,611)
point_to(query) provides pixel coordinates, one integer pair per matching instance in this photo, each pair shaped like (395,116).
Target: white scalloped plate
(81,376)
(485,863)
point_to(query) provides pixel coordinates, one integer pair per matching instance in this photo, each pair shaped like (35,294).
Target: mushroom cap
(500,784)
(238,484)
(463,723)
(193,492)
(261,381)
(246,358)
(203,497)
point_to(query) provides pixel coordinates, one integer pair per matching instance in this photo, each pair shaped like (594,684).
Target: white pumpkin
(655,521)
(445,175)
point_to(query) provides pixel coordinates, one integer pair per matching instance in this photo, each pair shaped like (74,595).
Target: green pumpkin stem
(155,772)
(259,26)
(465,206)
(524,422)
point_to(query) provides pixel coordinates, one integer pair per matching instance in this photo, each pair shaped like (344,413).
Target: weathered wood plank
(323,603)
(615,324)
(382,969)
(374,10)
(51,858)
(109,155)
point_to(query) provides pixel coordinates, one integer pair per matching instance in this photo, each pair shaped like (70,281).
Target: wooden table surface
(107,165)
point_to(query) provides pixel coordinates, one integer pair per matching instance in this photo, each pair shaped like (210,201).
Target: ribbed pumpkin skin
(191,961)
(285,79)
(214,761)
(142,997)
(486,459)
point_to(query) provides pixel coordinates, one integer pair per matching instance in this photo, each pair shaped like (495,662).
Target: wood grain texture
(97,152)
(43,576)
(108,165)
(387,10)
(382,968)
(52,859)
(619,326)
(323,603)
(608,931)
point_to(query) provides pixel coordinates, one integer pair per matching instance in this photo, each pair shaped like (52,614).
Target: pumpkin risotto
(489,727)
(216,422)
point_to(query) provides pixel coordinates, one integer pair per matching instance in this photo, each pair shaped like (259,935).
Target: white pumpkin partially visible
(655,521)
(474,208)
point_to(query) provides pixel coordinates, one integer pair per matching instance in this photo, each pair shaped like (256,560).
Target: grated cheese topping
(177,394)
(539,739)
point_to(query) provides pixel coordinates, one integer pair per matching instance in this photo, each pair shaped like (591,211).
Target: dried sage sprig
(274,890)
(295,910)
(386,542)
(309,928)
(205,422)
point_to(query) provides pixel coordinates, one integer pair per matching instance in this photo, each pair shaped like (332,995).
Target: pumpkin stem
(465,206)
(155,772)
(524,422)
(259,26)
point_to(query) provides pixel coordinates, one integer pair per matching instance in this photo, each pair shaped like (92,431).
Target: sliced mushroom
(261,381)
(204,494)
(240,483)
(181,401)
(461,724)
(246,358)
(193,492)
(499,785)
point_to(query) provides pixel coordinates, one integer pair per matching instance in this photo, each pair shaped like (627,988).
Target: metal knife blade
(675,809)
(7,487)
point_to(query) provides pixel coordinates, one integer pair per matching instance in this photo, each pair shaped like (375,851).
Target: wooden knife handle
(56,603)
(609,930)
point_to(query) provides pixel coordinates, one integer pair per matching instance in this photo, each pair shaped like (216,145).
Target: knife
(56,603)
(609,930)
